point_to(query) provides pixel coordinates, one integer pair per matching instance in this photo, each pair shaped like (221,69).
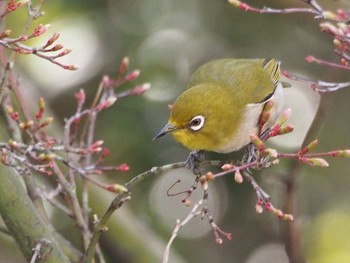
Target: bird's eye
(197,123)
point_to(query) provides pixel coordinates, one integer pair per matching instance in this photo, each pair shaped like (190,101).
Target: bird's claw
(251,154)
(193,161)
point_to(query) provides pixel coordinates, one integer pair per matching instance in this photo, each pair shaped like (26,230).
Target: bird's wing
(258,77)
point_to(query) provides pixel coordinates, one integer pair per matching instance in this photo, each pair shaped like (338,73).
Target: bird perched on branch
(222,106)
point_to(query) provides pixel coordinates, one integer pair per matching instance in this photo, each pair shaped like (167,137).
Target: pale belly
(250,122)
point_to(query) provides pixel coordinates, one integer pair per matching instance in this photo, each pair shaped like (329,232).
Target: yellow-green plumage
(228,96)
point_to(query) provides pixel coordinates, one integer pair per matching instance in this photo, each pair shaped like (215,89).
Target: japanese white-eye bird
(222,105)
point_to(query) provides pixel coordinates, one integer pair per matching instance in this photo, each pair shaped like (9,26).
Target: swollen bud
(204,182)
(256,140)
(132,75)
(41,103)
(286,129)
(238,177)
(285,116)
(5,34)
(309,147)
(342,153)
(52,39)
(271,152)
(259,208)
(227,166)
(124,65)
(319,162)
(329,15)
(117,188)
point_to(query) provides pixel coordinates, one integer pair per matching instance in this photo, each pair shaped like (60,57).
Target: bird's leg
(251,154)
(265,135)
(193,161)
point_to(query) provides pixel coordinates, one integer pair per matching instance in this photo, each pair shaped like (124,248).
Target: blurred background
(167,40)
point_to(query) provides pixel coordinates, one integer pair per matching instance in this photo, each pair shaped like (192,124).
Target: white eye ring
(197,123)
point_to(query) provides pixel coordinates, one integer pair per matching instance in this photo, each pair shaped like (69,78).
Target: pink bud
(13,114)
(110,101)
(204,182)
(11,6)
(41,103)
(97,143)
(138,90)
(209,176)
(41,29)
(23,38)
(71,67)
(117,188)
(105,152)
(52,39)
(329,15)
(107,103)
(56,47)
(271,152)
(285,116)
(288,217)
(259,208)
(310,59)
(187,202)
(256,140)
(24,51)
(46,122)
(238,177)
(80,96)
(106,81)
(278,213)
(286,129)
(132,75)
(5,34)
(343,153)
(318,162)
(227,166)
(218,240)
(124,65)
(64,52)
(309,147)
(124,167)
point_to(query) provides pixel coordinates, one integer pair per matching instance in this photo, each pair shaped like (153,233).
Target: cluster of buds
(105,97)
(12,5)
(228,167)
(123,76)
(30,126)
(340,31)
(261,204)
(314,161)
(15,155)
(16,43)
(337,25)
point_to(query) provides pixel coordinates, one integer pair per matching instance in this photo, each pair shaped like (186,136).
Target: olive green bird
(222,105)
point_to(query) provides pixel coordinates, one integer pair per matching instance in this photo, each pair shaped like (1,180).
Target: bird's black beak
(166,129)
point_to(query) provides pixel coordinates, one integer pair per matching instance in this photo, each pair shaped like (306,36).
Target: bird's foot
(251,154)
(193,161)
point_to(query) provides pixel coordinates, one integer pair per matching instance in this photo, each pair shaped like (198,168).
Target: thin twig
(101,226)
(195,211)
